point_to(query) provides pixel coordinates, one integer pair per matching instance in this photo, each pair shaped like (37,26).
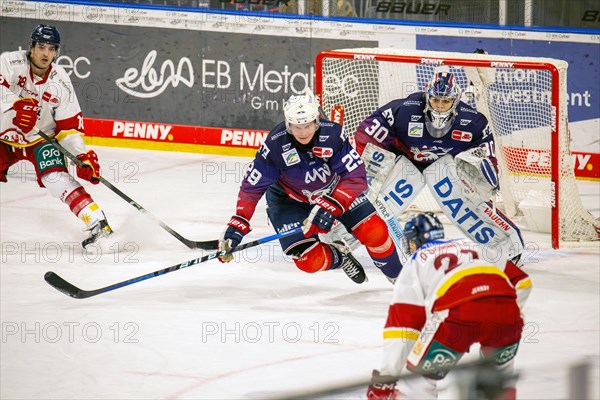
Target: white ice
(254,328)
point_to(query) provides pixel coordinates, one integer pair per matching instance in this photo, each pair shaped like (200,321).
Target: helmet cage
(444,86)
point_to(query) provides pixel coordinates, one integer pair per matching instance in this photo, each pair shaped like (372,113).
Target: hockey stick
(206,245)
(69,289)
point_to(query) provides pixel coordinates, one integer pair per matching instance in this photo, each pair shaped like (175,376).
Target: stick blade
(63,286)
(207,245)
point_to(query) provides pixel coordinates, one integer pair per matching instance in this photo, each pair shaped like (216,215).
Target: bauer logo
(243,138)
(137,130)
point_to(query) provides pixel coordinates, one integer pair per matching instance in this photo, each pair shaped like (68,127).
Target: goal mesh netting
(524,99)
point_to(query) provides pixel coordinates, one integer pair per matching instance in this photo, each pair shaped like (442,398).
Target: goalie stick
(205,245)
(69,289)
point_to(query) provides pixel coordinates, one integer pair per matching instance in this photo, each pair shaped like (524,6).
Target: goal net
(524,99)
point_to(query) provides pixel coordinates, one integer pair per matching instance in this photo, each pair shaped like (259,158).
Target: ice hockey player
(433,138)
(448,297)
(36,94)
(312,176)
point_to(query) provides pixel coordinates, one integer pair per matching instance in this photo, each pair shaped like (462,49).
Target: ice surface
(254,328)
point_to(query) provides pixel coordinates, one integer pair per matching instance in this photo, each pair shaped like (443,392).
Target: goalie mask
(301,109)
(442,95)
(421,229)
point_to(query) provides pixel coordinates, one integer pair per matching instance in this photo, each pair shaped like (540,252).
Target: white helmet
(442,85)
(301,109)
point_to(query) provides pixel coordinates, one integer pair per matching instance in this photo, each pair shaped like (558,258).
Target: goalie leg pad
(479,221)
(402,186)
(378,164)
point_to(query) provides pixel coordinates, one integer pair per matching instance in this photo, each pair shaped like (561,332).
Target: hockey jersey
(399,126)
(331,166)
(441,275)
(59,107)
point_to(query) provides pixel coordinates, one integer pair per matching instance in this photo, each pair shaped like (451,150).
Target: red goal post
(524,99)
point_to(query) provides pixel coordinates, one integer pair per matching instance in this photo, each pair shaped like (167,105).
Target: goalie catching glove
(26,110)
(322,215)
(478,172)
(237,228)
(90,171)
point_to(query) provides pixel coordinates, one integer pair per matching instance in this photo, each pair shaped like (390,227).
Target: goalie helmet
(442,86)
(46,34)
(300,109)
(421,229)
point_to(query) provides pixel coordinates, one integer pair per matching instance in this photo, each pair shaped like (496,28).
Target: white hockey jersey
(59,107)
(440,276)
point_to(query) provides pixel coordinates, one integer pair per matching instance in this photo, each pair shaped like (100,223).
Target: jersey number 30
(377,131)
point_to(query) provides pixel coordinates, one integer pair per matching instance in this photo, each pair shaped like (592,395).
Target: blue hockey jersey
(331,166)
(399,126)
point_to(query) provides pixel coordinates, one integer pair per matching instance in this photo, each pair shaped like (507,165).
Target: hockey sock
(84,207)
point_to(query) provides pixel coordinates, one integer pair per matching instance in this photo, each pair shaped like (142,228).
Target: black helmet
(46,34)
(421,229)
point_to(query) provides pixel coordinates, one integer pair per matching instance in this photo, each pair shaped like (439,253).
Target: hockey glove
(237,228)
(382,387)
(90,171)
(322,215)
(26,113)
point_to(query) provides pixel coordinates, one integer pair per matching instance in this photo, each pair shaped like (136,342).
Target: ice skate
(98,231)
(350,265)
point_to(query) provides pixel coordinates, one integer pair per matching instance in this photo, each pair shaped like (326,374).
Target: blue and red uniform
(294,176)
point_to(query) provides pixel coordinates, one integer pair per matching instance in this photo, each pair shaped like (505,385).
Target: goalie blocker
(462,195)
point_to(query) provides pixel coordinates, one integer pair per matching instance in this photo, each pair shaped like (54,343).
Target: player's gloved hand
(237,228)
(489,172)
(321,217)
(90,171)
(382,387)
(27,113)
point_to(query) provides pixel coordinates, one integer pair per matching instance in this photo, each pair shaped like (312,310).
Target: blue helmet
(443,85)
(46,34)
(421,229)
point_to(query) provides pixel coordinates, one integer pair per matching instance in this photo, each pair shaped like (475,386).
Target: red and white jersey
(443,274)
(439,276)
(59,107)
